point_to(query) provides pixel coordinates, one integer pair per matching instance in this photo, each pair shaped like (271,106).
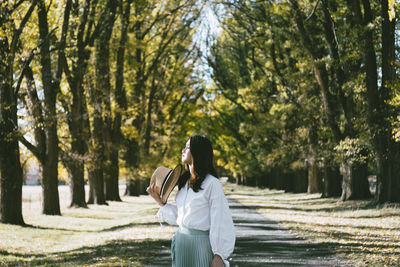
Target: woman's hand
(217,261)
(151,189)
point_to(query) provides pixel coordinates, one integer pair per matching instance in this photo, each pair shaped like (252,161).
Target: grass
(364,235)
(122,233)
(128,233)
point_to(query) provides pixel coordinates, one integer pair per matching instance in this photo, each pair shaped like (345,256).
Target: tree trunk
(313,186)
(77,183)
(313,177)
(112,186)
(275,177)
(51,205)
(131,159)
(78,123)
(355,182)
(378,112)
(79,147)
(331,181)
(300,181)
(10,166)
(96,159)
(112,172)
(104,85)
(91,187)
(99,169)
(147,134)
(96,180)
(133,145)
(347,103)
(395,184)
(135,187)
(320,74)
(387,189)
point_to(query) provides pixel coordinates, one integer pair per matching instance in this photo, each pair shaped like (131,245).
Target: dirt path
(263,242)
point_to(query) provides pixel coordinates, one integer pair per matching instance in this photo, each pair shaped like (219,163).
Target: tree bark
(51,85)
(147,134)
(95,163)
(99,172)
(135,187)
(355,182)
(313,186)
(77,113)
(112,188)
(10,166)
(332,181)
(75,169)
(313,175)
(347,103)
(378,113)
(322,78)
(104,85)
(388,188)
(132,160)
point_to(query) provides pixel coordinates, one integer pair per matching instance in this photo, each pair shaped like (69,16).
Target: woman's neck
(192,175)
(191,170)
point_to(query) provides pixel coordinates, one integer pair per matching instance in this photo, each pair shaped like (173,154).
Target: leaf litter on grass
(367,236)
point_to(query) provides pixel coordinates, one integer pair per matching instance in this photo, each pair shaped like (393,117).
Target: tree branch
(18,32)
(313,11)
(35,150)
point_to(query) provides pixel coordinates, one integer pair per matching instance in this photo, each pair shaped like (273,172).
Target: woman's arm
(222,231)
(167,212)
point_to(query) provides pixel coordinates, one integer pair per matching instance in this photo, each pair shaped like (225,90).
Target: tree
(46,149)
(379,113)
(75,65)
(10,166)
(335,82)
(261,82)
(163,85)
(100,101)
(114,120)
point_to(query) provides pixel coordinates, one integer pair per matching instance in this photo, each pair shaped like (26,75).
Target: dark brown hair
(203,162)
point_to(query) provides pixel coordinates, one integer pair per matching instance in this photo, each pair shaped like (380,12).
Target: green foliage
(268,97)
(161,81)
(352,151)
(162,84)
(265,109)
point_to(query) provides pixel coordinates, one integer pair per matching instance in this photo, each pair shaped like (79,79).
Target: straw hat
(165,179)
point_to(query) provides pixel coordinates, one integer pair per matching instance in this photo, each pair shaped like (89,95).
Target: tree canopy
(295,95)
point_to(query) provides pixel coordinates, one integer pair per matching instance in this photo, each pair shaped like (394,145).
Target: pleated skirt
(191,248)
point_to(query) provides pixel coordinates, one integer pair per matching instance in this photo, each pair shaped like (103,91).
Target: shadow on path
(263,242)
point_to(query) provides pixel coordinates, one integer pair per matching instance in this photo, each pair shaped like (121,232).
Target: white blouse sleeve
(222,231)
(168,213)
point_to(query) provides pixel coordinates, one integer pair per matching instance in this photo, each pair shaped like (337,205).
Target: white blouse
(205,210)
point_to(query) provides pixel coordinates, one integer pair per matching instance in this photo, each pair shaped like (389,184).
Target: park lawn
(122,233)
(357,232)
(128,233)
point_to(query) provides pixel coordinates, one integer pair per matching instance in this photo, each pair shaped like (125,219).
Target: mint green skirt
(191,248)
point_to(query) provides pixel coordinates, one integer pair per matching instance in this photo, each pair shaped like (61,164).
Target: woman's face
(186,155)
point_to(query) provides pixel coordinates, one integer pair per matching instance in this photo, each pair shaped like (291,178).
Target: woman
(206,236)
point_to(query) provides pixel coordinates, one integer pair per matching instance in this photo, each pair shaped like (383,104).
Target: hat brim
(170,183)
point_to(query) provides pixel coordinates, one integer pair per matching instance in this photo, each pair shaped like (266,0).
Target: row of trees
(86,83)
(308,94)
(305,94)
